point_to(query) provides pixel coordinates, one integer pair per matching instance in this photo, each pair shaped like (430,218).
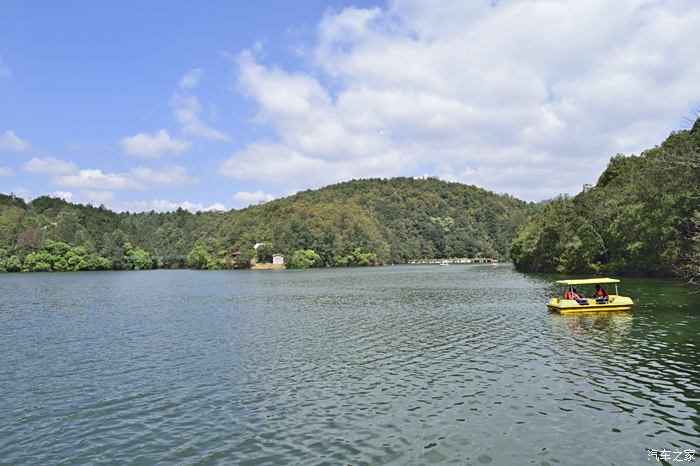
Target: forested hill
(351,223)
(642,218)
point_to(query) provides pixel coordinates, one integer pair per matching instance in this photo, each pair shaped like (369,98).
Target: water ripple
(394,365)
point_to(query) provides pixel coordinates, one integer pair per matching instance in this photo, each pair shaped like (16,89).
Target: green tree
(356,258)
(114,249)
(638,219)
(13,264)
(95,262)
(691,268)
(396,219)
(38,261)
(136,258)
(29,240)
(304,259)
(264,253)
(243,260)
(365,258)
(342,261)
(199,258)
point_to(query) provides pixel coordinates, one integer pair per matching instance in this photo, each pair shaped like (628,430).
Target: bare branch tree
(689,158)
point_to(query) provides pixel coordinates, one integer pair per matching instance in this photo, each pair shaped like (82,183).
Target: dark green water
(392,365)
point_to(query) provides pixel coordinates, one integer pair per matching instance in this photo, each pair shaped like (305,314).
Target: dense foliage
(55,256)
(361,222)
(304,259)
(642,218)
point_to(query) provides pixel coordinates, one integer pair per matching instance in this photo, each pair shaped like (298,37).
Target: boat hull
(567,306)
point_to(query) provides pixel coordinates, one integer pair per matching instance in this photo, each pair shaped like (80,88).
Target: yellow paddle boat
(576,302)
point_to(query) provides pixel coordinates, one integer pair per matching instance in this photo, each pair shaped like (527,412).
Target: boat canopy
(588,281)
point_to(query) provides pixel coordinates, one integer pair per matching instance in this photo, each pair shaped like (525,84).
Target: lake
(388,365)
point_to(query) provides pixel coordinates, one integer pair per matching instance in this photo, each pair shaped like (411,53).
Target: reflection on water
(592,327)
(400,365)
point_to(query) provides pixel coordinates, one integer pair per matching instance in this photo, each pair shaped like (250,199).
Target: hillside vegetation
(641,218)
(360,222)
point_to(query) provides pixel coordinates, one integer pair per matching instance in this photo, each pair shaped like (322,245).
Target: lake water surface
(388,365)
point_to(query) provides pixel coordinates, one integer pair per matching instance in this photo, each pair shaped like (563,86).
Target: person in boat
(572,294)
(601,296)
(575,296)
(600,292)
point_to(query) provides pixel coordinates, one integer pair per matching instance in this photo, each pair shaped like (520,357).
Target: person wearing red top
(572,294)
(600,292)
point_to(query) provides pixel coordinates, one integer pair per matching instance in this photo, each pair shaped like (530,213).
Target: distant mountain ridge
(393,220)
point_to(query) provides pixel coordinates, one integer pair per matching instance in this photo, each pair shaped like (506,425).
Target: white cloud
(252,197)
(154,145)
(10,142)
(139,178)
(19,191)
(5,172)
(162,205)
(266,160)
(472,88)
(169,176)
(65,195)
(85,196)
(191,78)
(49,165)
(279,164)
(196,207)
(96,179)
(93,196)
(186,109)
(4,71)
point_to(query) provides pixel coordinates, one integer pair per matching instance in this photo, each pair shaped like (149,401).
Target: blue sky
(219,104)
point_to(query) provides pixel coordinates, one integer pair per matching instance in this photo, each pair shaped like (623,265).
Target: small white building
(277,259)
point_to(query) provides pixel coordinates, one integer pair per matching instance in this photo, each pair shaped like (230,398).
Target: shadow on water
(608,328)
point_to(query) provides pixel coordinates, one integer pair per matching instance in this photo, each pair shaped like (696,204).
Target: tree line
(642,217)
(356,223)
